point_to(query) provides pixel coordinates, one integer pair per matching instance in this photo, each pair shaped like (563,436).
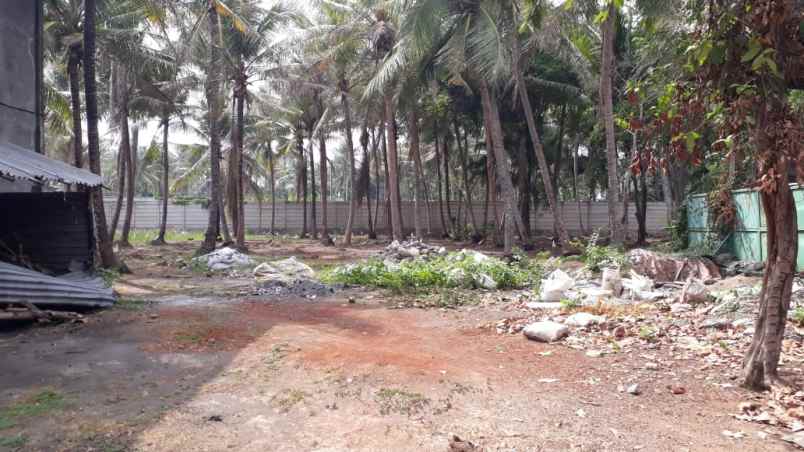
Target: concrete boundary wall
(594,215)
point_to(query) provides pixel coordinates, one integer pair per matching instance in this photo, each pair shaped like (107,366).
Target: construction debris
(411,249)
(224,259)
(662,267)
(553,288)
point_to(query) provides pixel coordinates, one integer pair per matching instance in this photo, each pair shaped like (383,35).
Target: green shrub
(798,315)
(596,257)
(456,270)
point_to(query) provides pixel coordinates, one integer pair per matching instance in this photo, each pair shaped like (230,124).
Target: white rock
(610,280)
(584,319)
(694,291)
(546,331)
(224,259)
(554,286)
(634,389)
(485,281)
(540,305)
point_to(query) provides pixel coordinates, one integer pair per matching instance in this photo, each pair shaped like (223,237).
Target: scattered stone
(733,435)
(796,438)
(352,300)
(748,406)
(594,353)
(634,389)
(619,332)
(717,324)
(610,280)
(584,319)
(411,249)
(548,380)
(554,286)
(650,365)
(456,444)
(485,281)
(546,331)
(679,308)
(540,305)
(694,291)
(678,390)
(215,418)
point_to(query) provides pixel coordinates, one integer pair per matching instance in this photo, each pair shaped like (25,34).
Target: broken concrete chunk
(546,331)
(485,281)
(610,280)
(554,286)
(584,319)
(289,268)
(224,259)
(694,291)
(662,267)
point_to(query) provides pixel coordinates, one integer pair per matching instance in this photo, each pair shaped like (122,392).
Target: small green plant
(596,257)
(128,304)
(392,400)
(40,403)
(13,442)
(109,276)
(568,304)
(647,333)
(798,315)
(288,398)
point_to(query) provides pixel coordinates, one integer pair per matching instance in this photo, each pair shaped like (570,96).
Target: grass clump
(40,403)
(392,400)
(798,315)
(288,398)
(455,270)
(596,257)
(569,304)
(13,442)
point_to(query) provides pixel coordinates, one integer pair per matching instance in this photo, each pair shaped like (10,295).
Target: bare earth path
(255,374)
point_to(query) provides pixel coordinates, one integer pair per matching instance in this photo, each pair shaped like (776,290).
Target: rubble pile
(410,249)
(224,259)
(289,277)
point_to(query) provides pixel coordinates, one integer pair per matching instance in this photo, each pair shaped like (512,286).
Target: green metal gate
(748,241)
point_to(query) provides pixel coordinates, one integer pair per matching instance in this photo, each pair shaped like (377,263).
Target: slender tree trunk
(463,153)
(213,114)
(575,183)
(393,170)
(538,150)
(314,220)
(762,360)
(502,164)
(415,153)
(322,155)
(444,227)
(75,104)
(491,177)
(160,240)
(607,116)
(350,150)
(122,173)
(130,187)
(301,182)
(273,186)
(239,228)
(104,242)
(373,230)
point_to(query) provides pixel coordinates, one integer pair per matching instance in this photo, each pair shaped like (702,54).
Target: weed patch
(40,403)
(399,401)
(288,398)
(13,442)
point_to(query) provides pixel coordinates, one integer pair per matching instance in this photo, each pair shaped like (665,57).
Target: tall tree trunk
(393,169)
(213,94)
(575,182)
(322,156)
(415,153)
(301,168)
(444,226)
(122,174)
(373,229)
(762,360)
(75,104)
(463,153)
(104,242)
(314,220)
(160,240)
(273,186)
(491,178)
(502,164)
(607,116)
(538,149)
(239,228)
(350,150)
(447,194)
(130,187)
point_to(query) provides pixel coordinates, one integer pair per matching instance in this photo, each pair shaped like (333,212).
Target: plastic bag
(554,286)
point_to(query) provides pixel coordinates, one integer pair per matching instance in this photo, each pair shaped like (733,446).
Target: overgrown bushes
(455,270)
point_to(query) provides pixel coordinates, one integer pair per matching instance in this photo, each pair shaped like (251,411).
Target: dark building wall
(51,229)
(20,72)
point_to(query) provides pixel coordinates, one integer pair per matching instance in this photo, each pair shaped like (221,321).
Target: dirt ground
(188,362)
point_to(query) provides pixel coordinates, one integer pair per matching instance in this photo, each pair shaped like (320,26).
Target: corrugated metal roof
(21,163)
(18,284)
